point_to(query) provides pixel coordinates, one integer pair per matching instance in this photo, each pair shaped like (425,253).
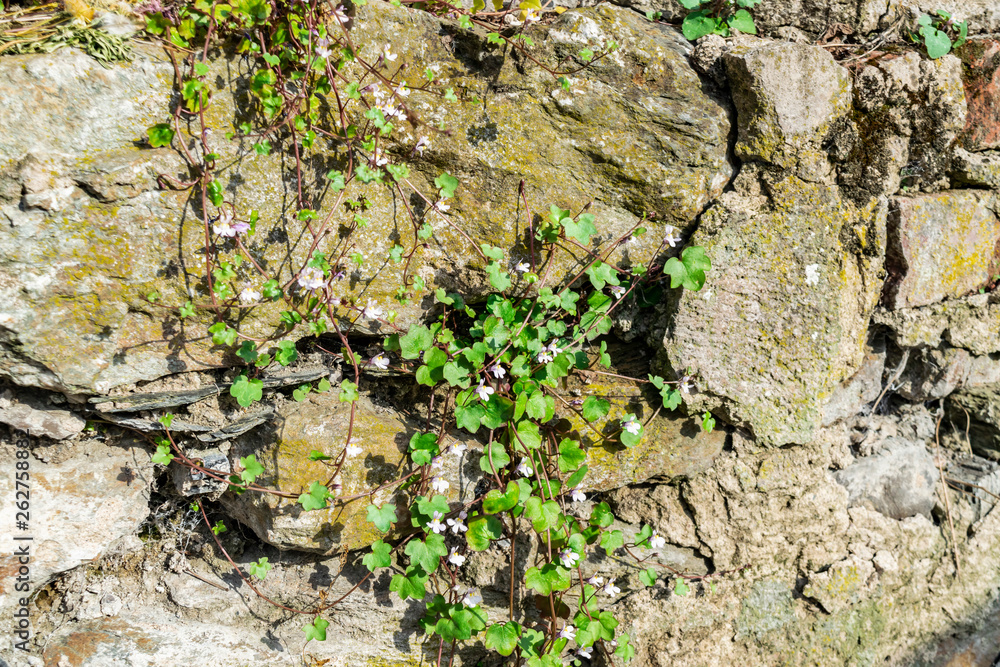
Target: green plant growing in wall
(940,32)
(717,17)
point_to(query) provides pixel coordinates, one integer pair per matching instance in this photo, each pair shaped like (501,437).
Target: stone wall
(848,338)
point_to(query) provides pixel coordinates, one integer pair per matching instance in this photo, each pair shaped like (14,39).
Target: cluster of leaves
(717,17)
(940,32)
(495,367)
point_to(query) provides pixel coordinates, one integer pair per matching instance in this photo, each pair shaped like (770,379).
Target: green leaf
(286,353)
(163,455)
(594,408)
(550,577)
(642,537)
(502,637)
(582,229)
(316,498)
(316,455)
(601,516)
(214,191)
(611,540)
(222,334)
(681,587)
(219,528)
(299,393)
(422,511)
(498,411)
(427,553)
(692,4)
(544,516)
(690,269)
(382,517)
(495,453)
(570,455)
(378,557)
(648,577)
(482,531)
(260,568)
(470,417)
(247,352)
(348,392)
(577,477)
(698,24)
(937,42)
(447,184)
(742,21)
(707,422)
(316,630)
(410,585)
(601,274)
(625,651)
(252,469)
(496,501)
(416,340)
(160,135)
(499,278)
(423,448)
(246,391)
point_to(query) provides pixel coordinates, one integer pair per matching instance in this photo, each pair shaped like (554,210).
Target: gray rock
(979,408)
(900,481)
(33,416)
(932,374)
(978,170)
(939,246)
(190,482)
(788,98)
(779,324)
(238,427)
(851,396)
(972,323)
(153,400)
(177,425)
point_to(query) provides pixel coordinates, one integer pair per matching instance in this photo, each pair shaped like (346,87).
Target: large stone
(788,97)
(87,236)
(851,396)
(972,323)
(35,417)
(939,246)
(84,498)
(783,316)
(899,481)
(981,76)
(936,373)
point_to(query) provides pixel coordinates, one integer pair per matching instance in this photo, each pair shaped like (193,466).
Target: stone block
(899,481)
(939,246)
(981,78)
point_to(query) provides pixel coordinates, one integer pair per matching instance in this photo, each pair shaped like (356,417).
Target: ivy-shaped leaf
(383,517)
(379,556)
(689,270)
(246,391)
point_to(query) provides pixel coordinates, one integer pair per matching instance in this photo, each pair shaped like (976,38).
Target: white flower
(372,310)
(585,652)
(554,349)
(249,295)
(472,598)
(686,384)
(379,361)
(631,424)
(311,278)
(569,557)
(458,525)
(544,357)
(671,236)
(353,449)
(568,632)
(578,495)
(435,523)
(456,558)
(498,371)
(458,449)
(610,588)
(530,16)
(617,291)
(484,391)
(422,143)
(389,55)
(380,159)
(656,541)
(440,484)
(323,52)
(440,206)
(437,463)
(524,469)
(522,267)
(596,581)
(812,274)
(340,16)
(401,89)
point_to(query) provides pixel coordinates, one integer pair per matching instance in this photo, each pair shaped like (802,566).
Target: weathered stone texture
(899,481)
(981,76)
(939,246)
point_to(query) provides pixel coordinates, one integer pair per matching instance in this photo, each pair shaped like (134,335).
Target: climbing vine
(492,366)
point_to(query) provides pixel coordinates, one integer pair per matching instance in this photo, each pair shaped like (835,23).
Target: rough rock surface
(38,419)
(979,409)
(899,481)
(981,76)
(972,323)
(778,325)
(83,497)
(86,234)
(939,246)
